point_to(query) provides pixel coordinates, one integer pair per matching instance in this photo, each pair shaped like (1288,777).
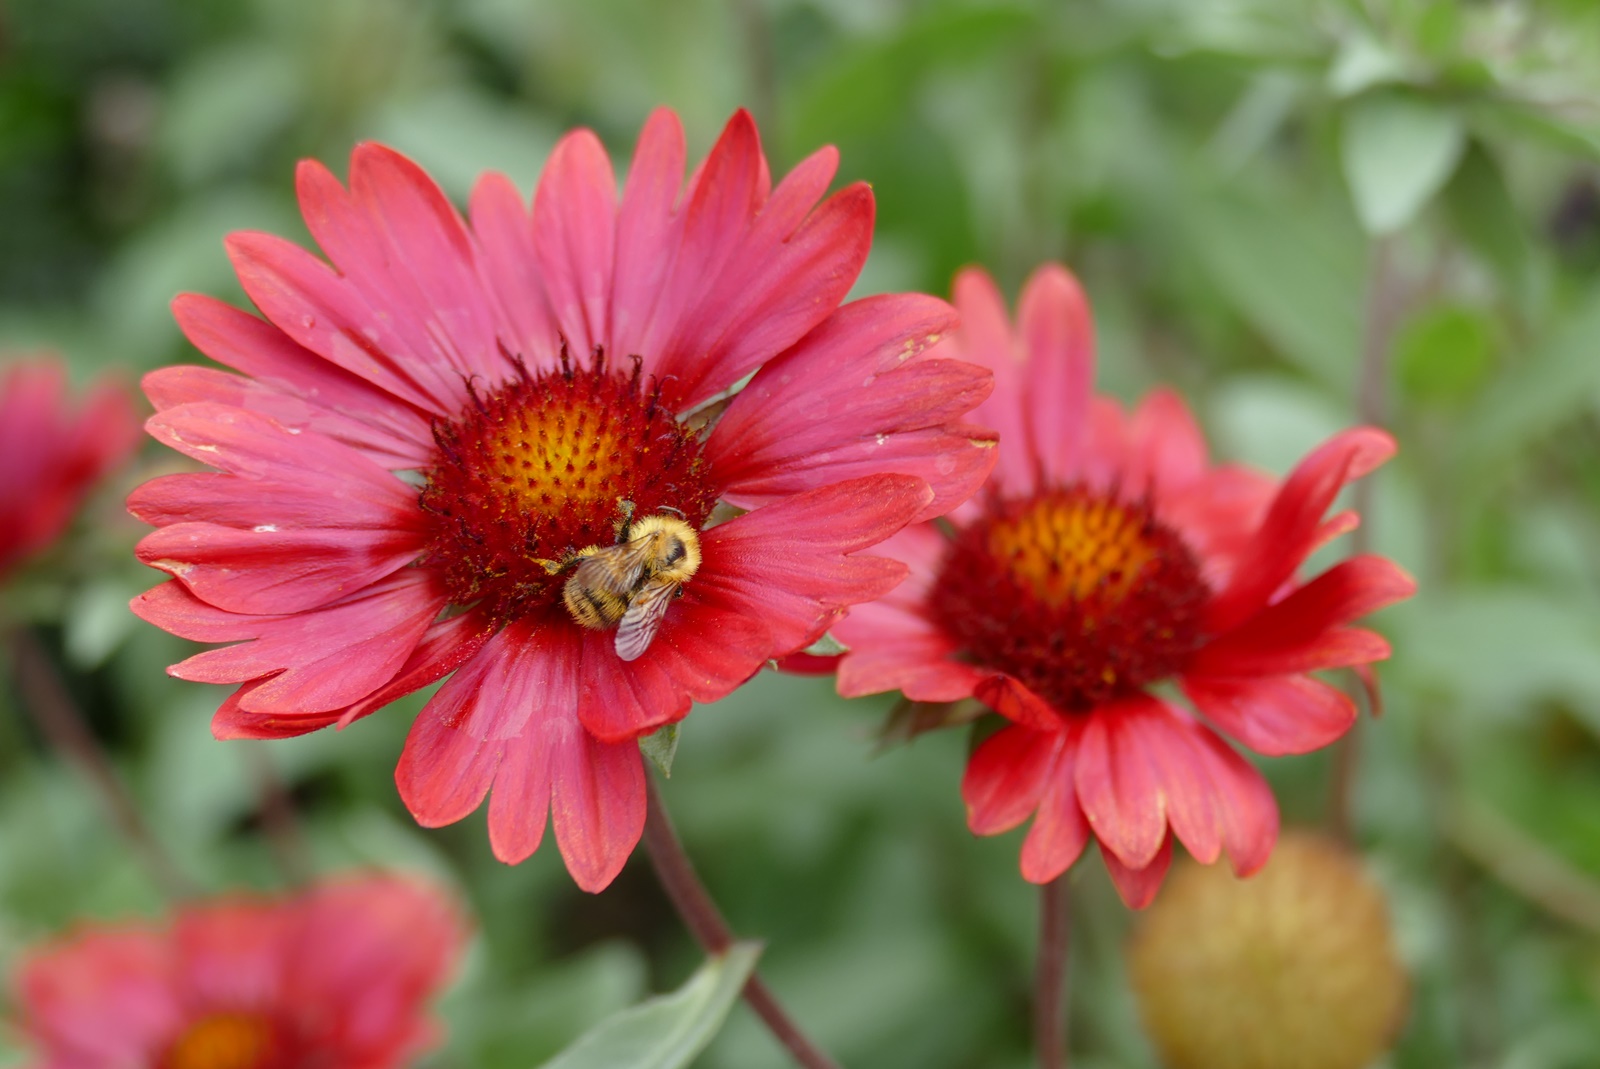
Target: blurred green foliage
(1303,213)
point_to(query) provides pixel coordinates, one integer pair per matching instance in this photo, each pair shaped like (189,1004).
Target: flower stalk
(51,708)
(705,922)
(1050,987)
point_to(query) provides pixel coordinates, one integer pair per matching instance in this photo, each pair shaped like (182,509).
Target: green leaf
(1528,399)
(668,1031)
(1398,150)
(1484,215)
(826,646)
(1445,353)
(1293,271)
(1363,62)
(661,747)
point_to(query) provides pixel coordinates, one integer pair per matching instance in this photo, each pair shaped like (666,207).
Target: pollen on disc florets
(538,468)
(225,1041)
(1077,594)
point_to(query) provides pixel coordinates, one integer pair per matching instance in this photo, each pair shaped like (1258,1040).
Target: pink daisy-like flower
(427,434)
(1107,555)
(337,977)
(54,452)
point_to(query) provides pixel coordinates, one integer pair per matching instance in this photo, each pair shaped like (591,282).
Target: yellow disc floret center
(223,1041)
(1069,549)
(545,465)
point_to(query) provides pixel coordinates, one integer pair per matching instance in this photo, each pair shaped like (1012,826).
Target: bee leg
(556,567)
(625,524)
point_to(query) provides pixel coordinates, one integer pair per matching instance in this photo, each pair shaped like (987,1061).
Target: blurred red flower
(54,452)
(337,977)
(1106,555)
(528,375)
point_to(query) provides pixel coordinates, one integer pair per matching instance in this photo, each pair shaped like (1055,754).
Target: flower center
(527,476)
(223,1041)
(1077,595)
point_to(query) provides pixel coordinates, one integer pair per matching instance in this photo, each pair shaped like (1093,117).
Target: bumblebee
(630,585)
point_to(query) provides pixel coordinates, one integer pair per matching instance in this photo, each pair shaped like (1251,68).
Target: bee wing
(643,618)
(614,569)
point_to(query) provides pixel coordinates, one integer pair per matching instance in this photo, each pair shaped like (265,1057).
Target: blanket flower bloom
(55,452)
(439,450)
(338,975)
(1106,555)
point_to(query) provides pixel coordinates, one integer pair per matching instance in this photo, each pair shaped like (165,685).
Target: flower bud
(1295,966)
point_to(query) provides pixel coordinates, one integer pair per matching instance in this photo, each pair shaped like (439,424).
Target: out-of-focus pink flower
(1105,555)
(534,375)
(337,977)
(52,452)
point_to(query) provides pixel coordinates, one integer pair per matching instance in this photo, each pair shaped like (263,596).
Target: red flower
(1107,555)
(531,379)
(335,978)
(53,454)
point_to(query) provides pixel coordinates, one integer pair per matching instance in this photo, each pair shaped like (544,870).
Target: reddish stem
(1050,976)
(52,709)
(705,922)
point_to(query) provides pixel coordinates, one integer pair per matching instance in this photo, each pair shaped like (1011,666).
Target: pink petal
(1060,831)
(914,659)
(103,997)
(1014,701)
(1218,515)
(820,413)
(597,803)
(708,645)
(726,190)
(1274,715)
(1138,887)
(1242,801)
(377,948)
(264,353)
(1057,332)
(1007,775)
(419,263)
(509,267)
(794,563)
(323,312)
(445,646)
(267,572)
(1289,531)
(231,722)
(648,231)
(1166,449)
(231,952)
(1301,633)
(574,231)
(1168,738)
(985,338)
(1119,786)
(459,738)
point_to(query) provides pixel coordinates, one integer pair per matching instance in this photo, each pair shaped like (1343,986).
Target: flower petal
(509,267)
(1242,801)
(1013,700)
(1166,452)
(459,738)
(1060,831)
(794,563)
(851,399)
(985,338)
(105,998)
(1007,775)
(1118,783)
(574,234)
(1274,715)
(1057,332)
(1300,633)
(597,804)
(1290,530)
(1138,887)
(648,231)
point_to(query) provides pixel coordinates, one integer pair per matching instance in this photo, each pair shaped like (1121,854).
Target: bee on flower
(1107,555)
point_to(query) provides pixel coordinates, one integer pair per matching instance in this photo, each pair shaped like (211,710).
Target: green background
(1302,214)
